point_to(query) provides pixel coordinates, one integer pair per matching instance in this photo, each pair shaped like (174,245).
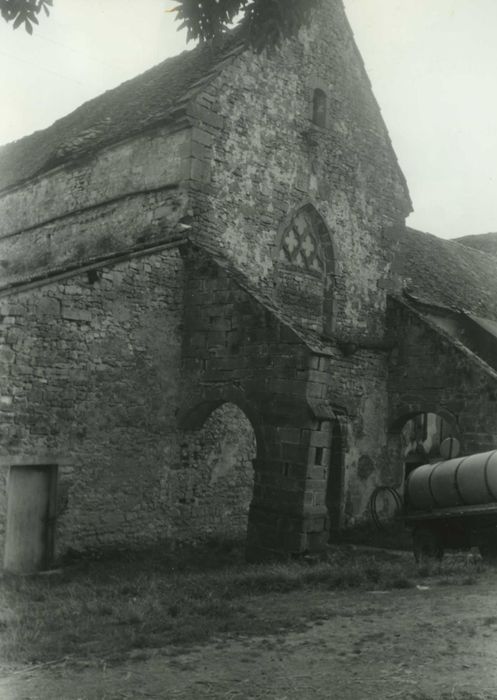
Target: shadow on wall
(215,479)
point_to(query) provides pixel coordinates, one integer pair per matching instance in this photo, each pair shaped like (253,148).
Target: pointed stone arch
(305,268)
(194,414)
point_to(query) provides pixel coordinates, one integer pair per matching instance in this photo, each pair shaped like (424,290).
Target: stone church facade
(213,318)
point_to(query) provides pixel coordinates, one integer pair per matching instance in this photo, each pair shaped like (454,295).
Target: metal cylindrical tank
(464,481)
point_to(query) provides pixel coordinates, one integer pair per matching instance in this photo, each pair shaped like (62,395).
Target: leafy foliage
(263,22)
(24,12)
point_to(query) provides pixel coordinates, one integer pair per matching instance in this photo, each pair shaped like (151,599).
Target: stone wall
(265,158)
(97,364)
(86,237)
(141,164)
(357,383)
(430,372)
(249,156)
(90,373)
(125,197)
(237,349)
(211,486)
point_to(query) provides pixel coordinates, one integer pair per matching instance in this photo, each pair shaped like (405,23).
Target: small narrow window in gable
(319,108)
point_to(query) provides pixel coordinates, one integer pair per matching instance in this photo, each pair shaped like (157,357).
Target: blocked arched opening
(216,474)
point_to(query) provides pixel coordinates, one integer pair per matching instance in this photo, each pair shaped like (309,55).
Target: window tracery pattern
(300,247)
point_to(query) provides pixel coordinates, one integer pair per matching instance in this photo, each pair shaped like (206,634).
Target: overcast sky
(432,63)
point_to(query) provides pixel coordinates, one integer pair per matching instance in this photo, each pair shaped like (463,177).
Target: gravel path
(423,644)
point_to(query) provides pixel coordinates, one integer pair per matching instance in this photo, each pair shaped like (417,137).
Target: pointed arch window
(305,269)
(300,247)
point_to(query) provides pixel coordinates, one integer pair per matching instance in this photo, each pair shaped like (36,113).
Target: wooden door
(30,504)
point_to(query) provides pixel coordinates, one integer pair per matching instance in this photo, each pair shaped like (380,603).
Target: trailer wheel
(426,545)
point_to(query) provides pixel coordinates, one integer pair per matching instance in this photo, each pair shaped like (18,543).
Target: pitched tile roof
(445,271)
(146,100)
(486,242)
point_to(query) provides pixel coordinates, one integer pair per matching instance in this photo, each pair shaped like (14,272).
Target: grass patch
(128,601)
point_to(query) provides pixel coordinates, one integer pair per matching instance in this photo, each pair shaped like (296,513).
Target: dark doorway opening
(334,486)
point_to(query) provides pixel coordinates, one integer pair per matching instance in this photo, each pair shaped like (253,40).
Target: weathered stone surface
(101,391)
(140,165)
(210,488)
(101,232)
(229,252)
(430,372)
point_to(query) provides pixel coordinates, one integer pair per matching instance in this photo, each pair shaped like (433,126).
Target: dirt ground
(439,642)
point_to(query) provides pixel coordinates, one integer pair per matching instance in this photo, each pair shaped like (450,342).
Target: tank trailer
(452,504)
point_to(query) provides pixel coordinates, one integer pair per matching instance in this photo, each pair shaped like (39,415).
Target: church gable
(247,138)
(300,124)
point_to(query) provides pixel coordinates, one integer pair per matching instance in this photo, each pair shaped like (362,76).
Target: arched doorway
(216,476)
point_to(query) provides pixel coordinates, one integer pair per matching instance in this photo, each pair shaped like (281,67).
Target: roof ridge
(147,99)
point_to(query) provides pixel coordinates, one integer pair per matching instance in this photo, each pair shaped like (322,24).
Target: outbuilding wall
(430,372)
(90,374)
